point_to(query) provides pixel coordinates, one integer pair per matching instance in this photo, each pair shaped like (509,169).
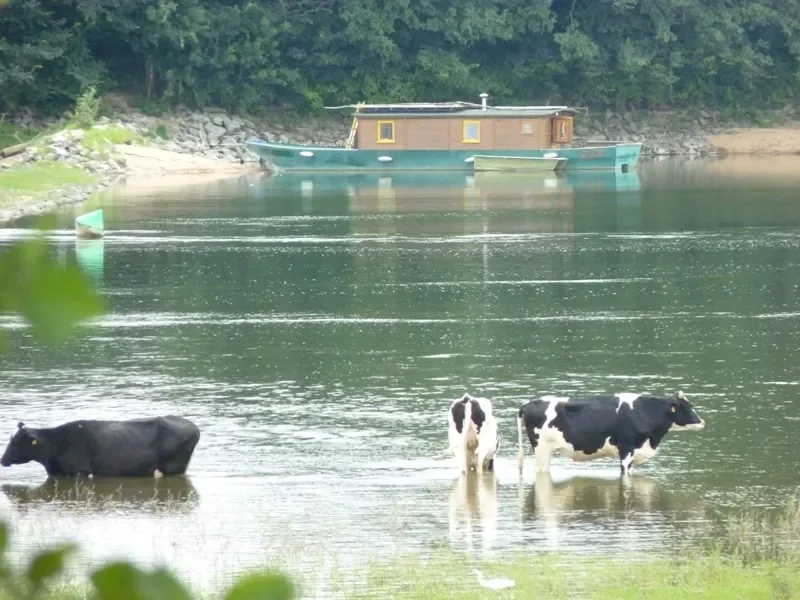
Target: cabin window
(472,132)
(386,132)
(527,128)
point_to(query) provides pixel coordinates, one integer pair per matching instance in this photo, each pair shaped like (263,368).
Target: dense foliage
(251,54)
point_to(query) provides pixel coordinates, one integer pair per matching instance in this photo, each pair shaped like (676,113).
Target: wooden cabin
(462,126)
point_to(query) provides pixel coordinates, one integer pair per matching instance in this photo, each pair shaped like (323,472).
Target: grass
(99,138)
(587,578)
(42,176)
(33,179)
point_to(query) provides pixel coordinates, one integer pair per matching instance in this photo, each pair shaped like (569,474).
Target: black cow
(629,427)
(135,448)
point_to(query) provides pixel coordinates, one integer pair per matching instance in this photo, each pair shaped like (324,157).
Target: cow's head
(23,447)
(683,414)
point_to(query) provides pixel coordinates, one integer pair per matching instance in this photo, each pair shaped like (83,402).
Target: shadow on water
(175,494)
(474,511)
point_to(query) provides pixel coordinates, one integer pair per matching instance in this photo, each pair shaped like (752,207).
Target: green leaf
(52,297)
(123,581)
(48,564)
(3,537)
(57,298)
(267,586)
(162,585)
(46,222)
(117,581)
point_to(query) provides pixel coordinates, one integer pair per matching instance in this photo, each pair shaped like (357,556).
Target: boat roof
(463,109)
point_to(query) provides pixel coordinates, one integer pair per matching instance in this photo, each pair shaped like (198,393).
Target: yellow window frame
(385,140)
(464,126)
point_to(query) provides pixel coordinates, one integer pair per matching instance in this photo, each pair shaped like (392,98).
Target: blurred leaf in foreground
(123,581)
(51,296)
(267,586)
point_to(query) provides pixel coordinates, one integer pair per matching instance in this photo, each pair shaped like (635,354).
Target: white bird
(499,583)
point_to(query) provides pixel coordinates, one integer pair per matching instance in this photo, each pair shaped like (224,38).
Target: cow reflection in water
(473,506)
(107,493)
(628,506)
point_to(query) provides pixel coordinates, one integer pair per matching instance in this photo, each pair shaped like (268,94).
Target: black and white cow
(150,447)
(629,427)
(473,434)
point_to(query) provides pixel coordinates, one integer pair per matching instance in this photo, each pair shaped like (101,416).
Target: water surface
(317,328)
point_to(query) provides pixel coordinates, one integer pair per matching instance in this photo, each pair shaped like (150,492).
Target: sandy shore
(154,161)
(148,171)
(755,140)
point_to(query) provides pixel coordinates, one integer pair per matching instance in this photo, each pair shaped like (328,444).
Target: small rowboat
(518,163)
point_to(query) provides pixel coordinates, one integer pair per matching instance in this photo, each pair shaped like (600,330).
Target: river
(317,328)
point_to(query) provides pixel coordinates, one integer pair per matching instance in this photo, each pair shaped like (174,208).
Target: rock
(215,133)
(232,125)
(218,120)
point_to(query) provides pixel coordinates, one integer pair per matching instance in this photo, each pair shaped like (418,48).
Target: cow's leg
(461,458)
(625,460)
(541,458)
(490,465)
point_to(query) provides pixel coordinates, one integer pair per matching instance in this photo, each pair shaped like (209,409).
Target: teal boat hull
(288,157)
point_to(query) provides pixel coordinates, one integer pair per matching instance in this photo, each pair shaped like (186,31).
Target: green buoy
(90,225)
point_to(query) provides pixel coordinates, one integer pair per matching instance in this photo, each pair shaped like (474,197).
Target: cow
(629,427)
(473,434)
(151,447)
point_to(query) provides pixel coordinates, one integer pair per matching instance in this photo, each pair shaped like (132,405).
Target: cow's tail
(520,451)
(467,422)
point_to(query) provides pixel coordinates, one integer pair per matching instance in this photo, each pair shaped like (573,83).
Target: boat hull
(290,157)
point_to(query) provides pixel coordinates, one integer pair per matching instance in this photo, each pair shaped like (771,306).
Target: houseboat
(446,136)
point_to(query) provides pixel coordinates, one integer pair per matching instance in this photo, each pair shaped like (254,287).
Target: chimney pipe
(484,96)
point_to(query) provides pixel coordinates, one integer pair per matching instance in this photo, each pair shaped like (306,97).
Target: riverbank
(185,144)
(70,165)
(448,576)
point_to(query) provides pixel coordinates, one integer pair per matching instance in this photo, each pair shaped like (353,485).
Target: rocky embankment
(660,133)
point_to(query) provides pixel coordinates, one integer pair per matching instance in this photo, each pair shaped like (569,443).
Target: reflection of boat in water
(473,505)
(432,192)
(90,255)
(107,493)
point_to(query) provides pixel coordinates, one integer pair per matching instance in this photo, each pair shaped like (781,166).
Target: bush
(86,109)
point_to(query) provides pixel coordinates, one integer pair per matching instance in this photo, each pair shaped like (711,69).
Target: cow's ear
(20,425)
